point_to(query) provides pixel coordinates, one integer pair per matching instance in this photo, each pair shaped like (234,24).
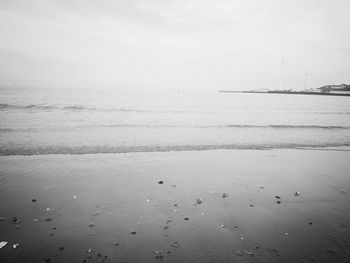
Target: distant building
(340,87)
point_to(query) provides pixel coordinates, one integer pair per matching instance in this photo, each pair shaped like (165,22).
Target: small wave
(288,126)
(79,150)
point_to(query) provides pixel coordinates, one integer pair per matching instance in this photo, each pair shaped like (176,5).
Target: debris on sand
(92,224)
(242,252)
(277,197)
(75,197)
(175,244)
(3,243)
(297,193)
(16,220)
(89,250)
(97,213)
(159,253)
(133,233)
(48,209)
(48,219)
(169,221)
(222,226)
(224,195)
(160,182)
(199,201)
(15,245)
(2,219)
(148,200)
(173,185)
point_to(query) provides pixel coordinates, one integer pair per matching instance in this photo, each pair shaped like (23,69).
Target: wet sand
(113,207)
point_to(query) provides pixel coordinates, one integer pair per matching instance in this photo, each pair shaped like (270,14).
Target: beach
(284,205)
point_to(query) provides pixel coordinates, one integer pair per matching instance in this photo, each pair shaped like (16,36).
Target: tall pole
(305,84)
(282,73)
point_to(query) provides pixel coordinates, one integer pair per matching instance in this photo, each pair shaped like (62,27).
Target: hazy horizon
(174,45)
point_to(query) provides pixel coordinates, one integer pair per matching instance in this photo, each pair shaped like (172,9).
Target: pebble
(175,244)
(133,233)
(186,218)
(160,182)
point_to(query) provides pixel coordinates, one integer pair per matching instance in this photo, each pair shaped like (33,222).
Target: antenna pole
(282,73)
(305,84)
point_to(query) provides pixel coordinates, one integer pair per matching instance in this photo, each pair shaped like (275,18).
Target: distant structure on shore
(340,87)
(328,90)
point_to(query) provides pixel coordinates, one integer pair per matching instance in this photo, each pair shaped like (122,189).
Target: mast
(282,72)
(305,84)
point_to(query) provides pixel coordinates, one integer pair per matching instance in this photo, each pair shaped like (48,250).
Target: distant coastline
(288,92)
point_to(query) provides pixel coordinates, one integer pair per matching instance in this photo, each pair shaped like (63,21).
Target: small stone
(47,260)
(92,224)
(133,233)
(75,197)
(48,219)
(2,219)
(61,248)
(286,234)
(175,244)
(297,193)
(310,223)
(277,197)
(89,250)
(224,195)
(16,220)
(175,204)
(186,218)
(116,244)
(160,182)
(173,185)
(222,226)
(168,252)
(93,234)
(278,202)
(199,201)
(34,200)
(48,209)
(251,205)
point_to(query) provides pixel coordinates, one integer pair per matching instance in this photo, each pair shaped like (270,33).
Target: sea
(40,121)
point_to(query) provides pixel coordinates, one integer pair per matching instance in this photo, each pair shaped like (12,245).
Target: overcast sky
(174,44)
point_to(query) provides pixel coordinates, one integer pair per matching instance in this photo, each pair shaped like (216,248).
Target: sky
(203,45)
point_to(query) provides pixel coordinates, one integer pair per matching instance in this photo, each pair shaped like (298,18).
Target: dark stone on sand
(277,197)
(34,200)
(99,255)
(49,219)
(16,220)
(186,218)
(61,248)
(160,182)
(257,247)
(278,202)
(310,223)
(175,204)
(168,252)
(116,244)
(54,228)
(133,233)
(251,205)
(47,260)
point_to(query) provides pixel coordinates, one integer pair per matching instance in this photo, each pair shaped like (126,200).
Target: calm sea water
(57,121)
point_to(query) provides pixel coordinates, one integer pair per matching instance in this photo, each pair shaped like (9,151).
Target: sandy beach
(209,206)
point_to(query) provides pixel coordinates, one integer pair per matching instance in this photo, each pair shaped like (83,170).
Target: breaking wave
(161,126)
(75,150)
